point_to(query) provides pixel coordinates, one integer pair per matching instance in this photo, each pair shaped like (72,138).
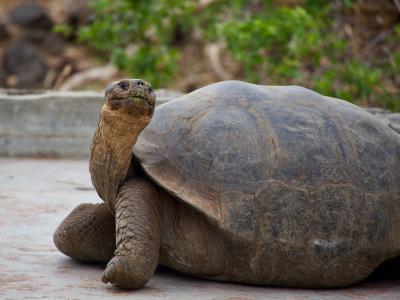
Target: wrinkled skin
(273,185)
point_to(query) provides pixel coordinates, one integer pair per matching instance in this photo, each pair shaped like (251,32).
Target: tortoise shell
(278,162)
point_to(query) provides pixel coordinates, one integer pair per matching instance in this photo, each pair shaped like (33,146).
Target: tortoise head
(127,110)
(131,97)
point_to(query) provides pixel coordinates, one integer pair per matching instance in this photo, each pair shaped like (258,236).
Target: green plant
(273,43)
(138,35)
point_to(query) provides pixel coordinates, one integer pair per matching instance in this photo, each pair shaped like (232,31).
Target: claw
(109,272)
(115,271)
(106,276)
(119,273)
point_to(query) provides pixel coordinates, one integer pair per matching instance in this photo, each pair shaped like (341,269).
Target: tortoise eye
(123,85)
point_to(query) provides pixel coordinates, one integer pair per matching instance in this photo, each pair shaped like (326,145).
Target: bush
(274,43)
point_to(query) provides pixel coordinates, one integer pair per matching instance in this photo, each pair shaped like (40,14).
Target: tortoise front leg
(137,235)
(87,233)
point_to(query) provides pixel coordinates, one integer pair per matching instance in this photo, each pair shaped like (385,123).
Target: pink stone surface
(35,195)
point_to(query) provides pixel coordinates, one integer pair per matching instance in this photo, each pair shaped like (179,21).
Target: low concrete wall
(61,124)
(52,124)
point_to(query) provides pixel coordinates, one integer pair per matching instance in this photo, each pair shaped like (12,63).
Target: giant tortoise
(264,185)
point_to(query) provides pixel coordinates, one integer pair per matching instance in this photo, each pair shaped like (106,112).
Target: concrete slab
(52,123)
(35,195)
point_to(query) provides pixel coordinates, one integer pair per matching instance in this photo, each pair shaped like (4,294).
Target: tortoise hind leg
(87,233)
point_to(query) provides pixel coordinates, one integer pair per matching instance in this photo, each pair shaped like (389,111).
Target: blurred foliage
(274,43)
(138,35)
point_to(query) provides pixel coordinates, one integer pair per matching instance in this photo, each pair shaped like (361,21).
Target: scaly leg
(138,235)
(87,233)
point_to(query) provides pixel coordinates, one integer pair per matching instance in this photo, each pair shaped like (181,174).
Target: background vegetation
(343,48)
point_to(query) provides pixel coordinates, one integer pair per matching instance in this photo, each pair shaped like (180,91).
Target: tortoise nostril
(139,82)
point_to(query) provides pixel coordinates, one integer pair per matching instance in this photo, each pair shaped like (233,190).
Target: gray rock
(77,14)
(47,42)
(3,31)
(2,78)
(54,44)
(31,16)
(24,61)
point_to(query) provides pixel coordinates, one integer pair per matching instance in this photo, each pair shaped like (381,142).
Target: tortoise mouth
(133,105)
(139,97)
(148,97)
(135,98)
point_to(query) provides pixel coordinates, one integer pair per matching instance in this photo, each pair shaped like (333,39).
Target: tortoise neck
(111,152)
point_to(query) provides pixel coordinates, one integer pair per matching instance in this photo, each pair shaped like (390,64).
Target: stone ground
(36,194)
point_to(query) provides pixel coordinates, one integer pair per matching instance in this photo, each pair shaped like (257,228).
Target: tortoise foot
(121,272)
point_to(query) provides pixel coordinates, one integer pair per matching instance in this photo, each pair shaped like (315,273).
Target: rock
(23,60)
(31,16)
(75,14)
(3,31)
(2,78)
(50,42)
(54,43)
(35,36)
(78,14)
